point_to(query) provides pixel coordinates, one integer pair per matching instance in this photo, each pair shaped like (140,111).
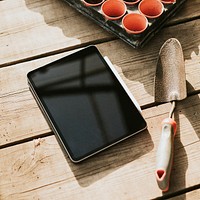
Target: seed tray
(115,26)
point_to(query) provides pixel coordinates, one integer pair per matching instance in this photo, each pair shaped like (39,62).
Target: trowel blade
(170,80)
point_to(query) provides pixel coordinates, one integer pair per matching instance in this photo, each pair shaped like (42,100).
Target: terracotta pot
(134,23)
(113,9)
(168,1)
(151,8)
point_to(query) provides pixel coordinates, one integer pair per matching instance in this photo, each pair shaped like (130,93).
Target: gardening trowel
(170,86)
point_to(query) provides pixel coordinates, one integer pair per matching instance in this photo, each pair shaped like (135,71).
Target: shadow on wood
(100,165)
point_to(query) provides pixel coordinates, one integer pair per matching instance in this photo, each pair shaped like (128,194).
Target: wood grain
(189,11)
(195,194)
(31,31)
(37,169)
(21,117)
(41,27)
(48,27)
(136,67)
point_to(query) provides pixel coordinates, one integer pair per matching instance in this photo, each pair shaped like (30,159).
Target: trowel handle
(165,153)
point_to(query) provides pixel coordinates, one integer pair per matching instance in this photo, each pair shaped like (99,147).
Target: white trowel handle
(165,153)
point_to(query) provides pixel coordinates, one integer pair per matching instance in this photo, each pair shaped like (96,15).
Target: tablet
(85,102)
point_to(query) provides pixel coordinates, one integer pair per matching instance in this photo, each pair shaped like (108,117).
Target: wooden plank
(27,122)
(30,28)
(14,78)
(21,117)
(136,67)
(38,170)
(190,10)
(34,28)
(195,194)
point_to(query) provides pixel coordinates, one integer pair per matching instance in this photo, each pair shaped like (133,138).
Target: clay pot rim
(92,4)
(113,18)
(150,16)
(131,31)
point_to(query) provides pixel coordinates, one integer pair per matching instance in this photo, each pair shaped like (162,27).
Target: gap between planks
(100,41)
(43,135)
(180,192)
(58,51)
(25,140)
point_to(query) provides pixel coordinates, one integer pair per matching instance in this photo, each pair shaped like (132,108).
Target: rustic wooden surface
(32,165)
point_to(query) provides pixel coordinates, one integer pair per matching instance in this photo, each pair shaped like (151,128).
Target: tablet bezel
(51,122)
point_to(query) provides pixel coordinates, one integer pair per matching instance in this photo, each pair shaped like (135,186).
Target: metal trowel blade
(170,80)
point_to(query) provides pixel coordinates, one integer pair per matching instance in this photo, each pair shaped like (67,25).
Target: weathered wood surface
(190,195)
(38,170)
(32,28)
(137,68)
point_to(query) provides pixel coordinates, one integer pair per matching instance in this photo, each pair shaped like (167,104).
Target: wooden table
(32,165)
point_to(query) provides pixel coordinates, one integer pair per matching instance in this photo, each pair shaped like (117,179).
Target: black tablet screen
(85,102)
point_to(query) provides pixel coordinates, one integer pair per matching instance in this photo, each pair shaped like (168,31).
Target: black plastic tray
(115,27)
